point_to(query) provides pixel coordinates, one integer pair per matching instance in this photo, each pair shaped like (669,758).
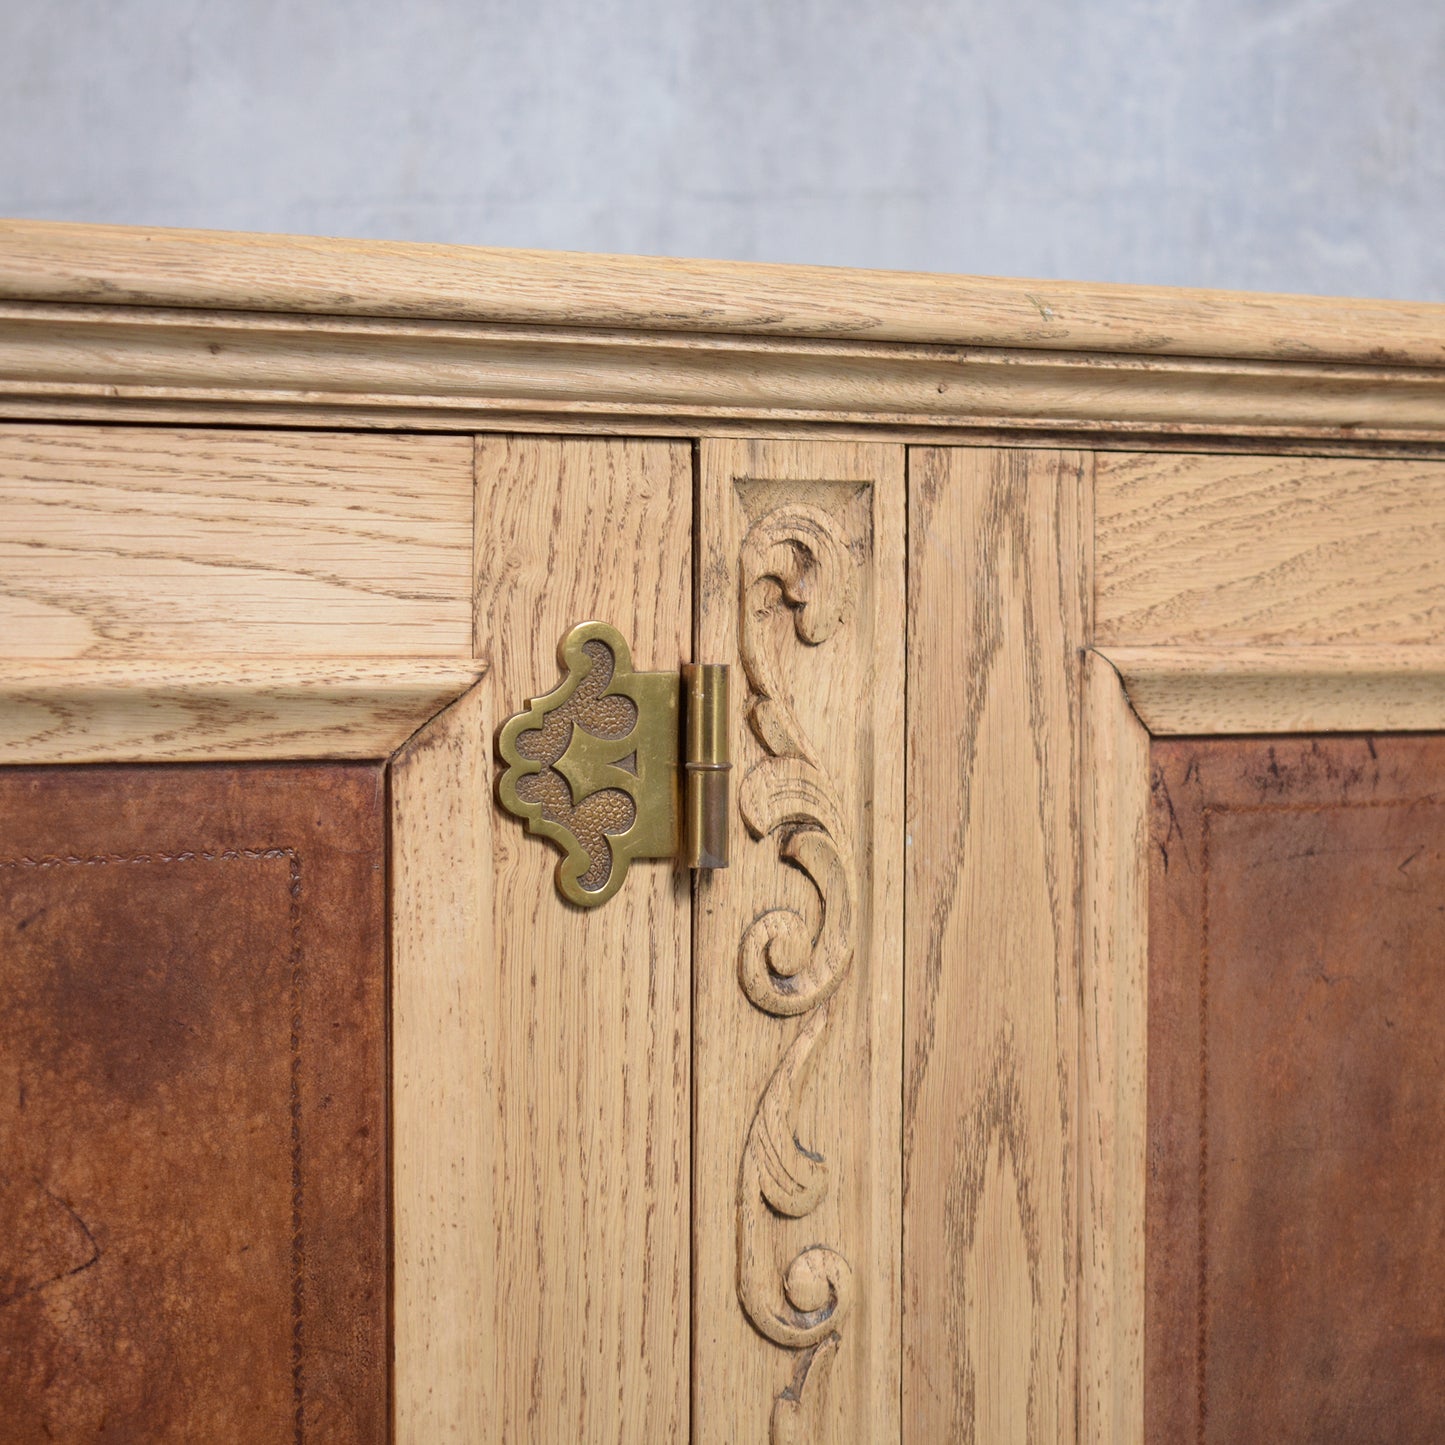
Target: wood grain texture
(143,711)
(1207,550)
(798,951)
(445,1067)
(122,542)
(46,260)
(128,363)
(1113,1084)
(998,608)
(1365,687)
(587,1012)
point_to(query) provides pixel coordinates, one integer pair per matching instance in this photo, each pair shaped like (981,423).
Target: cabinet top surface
(230,271)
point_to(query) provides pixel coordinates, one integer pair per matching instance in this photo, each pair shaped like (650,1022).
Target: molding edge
(123,363)
(1181,691)
(144,711)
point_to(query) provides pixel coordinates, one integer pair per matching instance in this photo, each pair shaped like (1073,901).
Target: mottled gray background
(1278,144)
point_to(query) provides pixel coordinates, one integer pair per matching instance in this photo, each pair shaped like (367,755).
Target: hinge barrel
(706,765)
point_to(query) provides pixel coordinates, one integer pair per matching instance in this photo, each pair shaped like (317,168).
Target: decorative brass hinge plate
(614,765)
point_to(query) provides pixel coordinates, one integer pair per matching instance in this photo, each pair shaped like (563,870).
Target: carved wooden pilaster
(798,952)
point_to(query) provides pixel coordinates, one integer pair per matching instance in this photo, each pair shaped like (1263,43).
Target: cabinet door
(239,628)
(1261,1031)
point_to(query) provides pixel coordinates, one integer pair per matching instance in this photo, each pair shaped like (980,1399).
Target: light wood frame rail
(107,325)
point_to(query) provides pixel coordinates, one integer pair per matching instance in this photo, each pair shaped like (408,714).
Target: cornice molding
(214,270)
(134,363)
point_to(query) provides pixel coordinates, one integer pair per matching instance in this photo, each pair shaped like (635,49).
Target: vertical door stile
(798,957)
(444,1266)
(999,598)
(587,1010)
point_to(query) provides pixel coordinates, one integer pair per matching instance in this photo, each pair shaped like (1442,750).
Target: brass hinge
(614,765)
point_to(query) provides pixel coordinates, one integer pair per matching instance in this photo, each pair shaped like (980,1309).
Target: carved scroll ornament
(790,965)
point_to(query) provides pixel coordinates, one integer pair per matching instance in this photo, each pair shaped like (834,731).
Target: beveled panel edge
(1113,1052)
(128,363)
(444,1124)
(1184,691)
(149,711)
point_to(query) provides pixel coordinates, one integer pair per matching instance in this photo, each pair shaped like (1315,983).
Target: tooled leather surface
(1295,1229)
(192,1107)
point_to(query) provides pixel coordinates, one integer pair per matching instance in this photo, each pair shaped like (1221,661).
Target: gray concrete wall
(1294,145)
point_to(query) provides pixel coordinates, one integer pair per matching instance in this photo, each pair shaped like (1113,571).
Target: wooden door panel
(1294,1270)
(798,950)
(192,1104)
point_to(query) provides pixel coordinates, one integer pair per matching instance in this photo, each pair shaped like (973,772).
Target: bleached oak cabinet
(1057,1058)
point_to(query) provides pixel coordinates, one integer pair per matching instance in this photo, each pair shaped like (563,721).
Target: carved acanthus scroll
(789,964)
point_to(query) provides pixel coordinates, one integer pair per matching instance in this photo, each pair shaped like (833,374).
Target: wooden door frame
(166,329)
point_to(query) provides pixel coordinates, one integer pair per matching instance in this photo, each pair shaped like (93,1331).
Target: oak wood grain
(587,1015)
(120,542)
(998,608)
(1205,550)
(798,951)
(1113,1083)
(1363,687)
(139,710)
(47,260)
(129,363)
(444,1070)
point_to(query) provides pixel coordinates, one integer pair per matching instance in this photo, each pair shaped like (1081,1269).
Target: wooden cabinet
(1053,1061)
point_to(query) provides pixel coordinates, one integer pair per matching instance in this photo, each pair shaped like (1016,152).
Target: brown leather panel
(193,1234)
(1295,1218)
